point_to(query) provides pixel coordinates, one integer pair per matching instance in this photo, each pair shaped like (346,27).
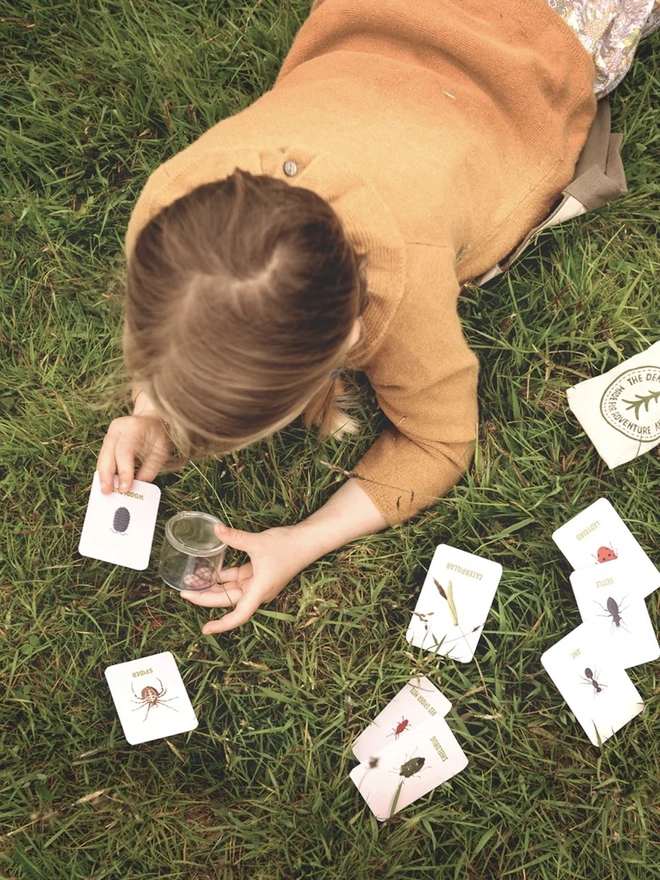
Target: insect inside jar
(149,696)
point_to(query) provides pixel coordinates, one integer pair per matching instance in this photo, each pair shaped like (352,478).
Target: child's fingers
(219,596)
(244,610)
(125,459)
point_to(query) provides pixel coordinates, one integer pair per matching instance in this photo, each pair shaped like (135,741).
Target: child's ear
(355,333)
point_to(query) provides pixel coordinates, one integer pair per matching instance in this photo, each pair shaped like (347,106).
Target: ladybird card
(453,603)
(119,527)
(598,691)
(417,702)
(609,596)
(598,536)
(150,698)
(409,768)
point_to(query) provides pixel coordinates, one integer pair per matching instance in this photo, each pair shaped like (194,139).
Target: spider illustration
(151,697)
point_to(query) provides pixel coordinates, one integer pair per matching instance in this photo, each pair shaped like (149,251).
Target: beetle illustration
(590,678)
(412,766)
(606,554)
(121,520)
(613,610)
(399,729)
(151,697)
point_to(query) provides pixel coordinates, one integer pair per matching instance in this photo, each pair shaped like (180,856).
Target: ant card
(119,527)
(598,536)
(598,692)
(609,596)
(409,768)
(416,703)
(454,602)
(150,698)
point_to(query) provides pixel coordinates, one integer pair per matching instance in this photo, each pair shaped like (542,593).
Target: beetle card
(453,603)
(119,528)
(609,597)
(598,692)
(597,536)
(409,768)
(150,698)
(416,703)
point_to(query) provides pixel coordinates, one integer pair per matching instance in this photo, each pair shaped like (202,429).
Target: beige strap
(599,178)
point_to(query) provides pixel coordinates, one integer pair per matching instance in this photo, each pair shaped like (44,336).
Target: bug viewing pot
(192,554)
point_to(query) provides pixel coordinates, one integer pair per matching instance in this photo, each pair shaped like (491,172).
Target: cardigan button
(290,168)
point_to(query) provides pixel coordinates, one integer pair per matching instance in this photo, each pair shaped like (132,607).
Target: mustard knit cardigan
(440,131)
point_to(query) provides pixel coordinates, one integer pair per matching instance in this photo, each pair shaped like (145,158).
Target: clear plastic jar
(192,554)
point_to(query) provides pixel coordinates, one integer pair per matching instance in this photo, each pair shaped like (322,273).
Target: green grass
(93,96)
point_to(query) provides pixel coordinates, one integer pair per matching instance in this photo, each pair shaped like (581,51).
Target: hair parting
(241,299)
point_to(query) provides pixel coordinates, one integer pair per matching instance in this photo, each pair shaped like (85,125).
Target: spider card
(150,698)
(454,602)
(598,536)
(416,703)
(609,596)
(409,768)
(598,691)
(119,528)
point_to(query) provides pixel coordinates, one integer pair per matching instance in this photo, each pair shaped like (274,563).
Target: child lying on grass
(404,149)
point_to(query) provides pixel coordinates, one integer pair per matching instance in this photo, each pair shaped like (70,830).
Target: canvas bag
(599,178)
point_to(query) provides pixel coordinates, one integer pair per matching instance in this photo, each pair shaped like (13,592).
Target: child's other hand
(278,555)
(275,559)
(127,438)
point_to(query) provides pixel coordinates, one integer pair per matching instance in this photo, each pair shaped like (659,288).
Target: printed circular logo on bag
(631,404)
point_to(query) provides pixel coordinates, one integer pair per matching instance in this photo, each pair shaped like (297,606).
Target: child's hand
(275,559)
(142,436)
(278,555)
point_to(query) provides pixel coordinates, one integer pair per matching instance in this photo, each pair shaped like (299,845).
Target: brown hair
(240,301)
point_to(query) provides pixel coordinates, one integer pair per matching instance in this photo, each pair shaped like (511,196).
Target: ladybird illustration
(606,554)
(121,520)
(409,768)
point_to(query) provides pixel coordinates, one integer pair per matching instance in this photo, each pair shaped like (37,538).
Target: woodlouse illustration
(121,520)
(149,696)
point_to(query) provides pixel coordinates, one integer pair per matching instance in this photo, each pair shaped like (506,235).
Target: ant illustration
(400,728)
(590,678)
(151,697)
(605,554)
(614,610)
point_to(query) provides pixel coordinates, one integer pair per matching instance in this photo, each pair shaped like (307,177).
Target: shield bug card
(598,536)
(417,702)
(409,768)
(454,602)
(609,597)
(119,527)
(150,698)
(598,692)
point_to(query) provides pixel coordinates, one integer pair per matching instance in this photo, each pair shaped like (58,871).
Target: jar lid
(191,532)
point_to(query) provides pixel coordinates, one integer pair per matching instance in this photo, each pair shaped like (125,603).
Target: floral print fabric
(610,31)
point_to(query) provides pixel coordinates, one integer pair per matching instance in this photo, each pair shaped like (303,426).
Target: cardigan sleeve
(425,379)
